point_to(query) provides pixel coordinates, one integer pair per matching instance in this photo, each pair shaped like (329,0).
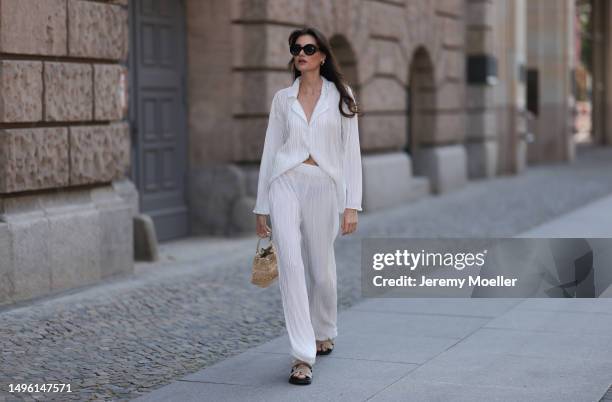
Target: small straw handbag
(265,268)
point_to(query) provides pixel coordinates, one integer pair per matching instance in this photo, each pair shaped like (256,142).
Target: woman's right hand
(262,228)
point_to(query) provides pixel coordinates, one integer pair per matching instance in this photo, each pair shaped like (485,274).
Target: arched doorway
(348,62)
(420,107)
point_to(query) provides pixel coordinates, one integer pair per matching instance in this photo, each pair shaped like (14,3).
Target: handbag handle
(257,247)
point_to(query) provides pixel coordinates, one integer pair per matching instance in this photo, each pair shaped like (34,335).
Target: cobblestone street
(128,336)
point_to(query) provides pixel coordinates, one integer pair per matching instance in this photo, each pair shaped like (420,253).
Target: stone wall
(509,101)
(46,79)
(243,52)
(482,128)
(64,140)
(550,52)
(384,36)
(442,58)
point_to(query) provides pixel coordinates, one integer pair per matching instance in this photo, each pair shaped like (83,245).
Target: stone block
(33,158)
(450,7)
(116,231)
(7,276)
(108,92)
(453,31)
(99,153)
(480,14)
(479,97)
(246,10)
(21,91)
(68,91)
(251,45)
(445,166)
(454,64)
(450,96)
(481,124)
(383,190)
(450,127)
(128,191)
(74,246)
(386,19)
(479,41)
(60,240)
(33,27)
(261,45)
(389,58)
(253,90)
(287,11)
(383,94)
(97,30)
(31,268)
(482,159)
(386,131)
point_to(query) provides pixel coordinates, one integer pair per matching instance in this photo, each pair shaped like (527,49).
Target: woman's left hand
(349,221)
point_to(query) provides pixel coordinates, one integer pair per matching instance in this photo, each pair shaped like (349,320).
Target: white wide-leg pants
(305,224)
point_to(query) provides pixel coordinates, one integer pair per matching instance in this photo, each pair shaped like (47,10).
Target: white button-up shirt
(330,138)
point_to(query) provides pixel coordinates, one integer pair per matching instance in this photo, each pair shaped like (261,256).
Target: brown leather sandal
(328,346)
(301,373)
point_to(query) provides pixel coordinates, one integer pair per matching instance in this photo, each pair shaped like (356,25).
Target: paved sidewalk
(593,220)
(440,349)
(431,350)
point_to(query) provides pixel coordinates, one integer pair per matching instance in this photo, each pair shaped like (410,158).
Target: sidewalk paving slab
(257,376)
(482,375)
(405,349)
(472,349)
(592,220)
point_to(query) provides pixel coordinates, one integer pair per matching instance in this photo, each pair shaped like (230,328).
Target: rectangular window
(533,93)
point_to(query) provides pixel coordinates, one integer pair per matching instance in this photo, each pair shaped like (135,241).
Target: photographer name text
(423,281)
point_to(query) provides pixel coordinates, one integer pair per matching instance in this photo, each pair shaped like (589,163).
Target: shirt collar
(321,106)
(295,88)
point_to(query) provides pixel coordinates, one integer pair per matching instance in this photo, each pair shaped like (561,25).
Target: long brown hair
(329,69)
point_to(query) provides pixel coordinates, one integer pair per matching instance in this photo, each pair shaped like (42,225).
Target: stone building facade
(453,90)
(404,58)
(64,146)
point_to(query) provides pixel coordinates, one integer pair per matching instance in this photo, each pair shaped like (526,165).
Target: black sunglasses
(309,49)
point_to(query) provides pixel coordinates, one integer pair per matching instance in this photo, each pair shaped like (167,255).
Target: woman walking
(310,172)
